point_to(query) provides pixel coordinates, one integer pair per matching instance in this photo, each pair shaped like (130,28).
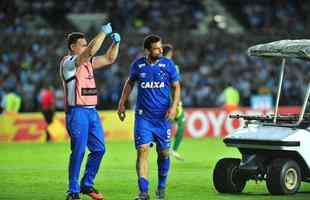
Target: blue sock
(163,168)
(143,184)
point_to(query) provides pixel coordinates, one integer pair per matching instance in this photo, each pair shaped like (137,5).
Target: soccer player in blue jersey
(155,76)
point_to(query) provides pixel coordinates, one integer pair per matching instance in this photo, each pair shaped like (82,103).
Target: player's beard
(154,58)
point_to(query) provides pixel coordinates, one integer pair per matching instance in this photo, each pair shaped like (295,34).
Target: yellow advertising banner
(32,127)
(199,123)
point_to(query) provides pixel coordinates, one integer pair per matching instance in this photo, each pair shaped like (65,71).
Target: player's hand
(121,112)
(171,113)
(107,29)
(116,38)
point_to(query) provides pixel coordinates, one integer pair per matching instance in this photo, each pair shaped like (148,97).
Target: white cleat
(177,155)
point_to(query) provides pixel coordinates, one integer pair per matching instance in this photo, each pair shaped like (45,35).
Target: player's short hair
(149,40)
(167,48)
(73,37)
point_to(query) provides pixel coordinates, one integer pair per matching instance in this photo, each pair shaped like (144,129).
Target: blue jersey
(154,86)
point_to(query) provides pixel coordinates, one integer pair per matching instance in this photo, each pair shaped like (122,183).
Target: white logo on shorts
(169,133)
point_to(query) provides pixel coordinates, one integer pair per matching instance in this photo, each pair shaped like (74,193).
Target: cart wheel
(226,177)
(283,177)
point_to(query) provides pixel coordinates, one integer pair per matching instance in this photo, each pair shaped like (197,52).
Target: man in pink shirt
(82,120)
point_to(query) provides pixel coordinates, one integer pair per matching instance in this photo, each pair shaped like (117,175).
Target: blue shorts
(148,131)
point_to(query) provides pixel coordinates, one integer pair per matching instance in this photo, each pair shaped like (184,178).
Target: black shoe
(160,194)
(143,196)
(73,196)
(92,192)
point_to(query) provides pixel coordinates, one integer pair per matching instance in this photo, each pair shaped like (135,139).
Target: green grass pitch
(39,172)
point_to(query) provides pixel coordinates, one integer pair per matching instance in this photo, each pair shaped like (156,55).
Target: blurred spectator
(11,102)
(229,98)
(47,103)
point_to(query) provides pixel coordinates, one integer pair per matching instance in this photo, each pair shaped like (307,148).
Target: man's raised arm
(110,56)
(94,45)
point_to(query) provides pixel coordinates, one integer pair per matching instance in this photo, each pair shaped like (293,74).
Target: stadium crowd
(31,50)
(275,15)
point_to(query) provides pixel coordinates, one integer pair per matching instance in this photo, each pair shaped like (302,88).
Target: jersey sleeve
(133,76)
(173,72)
(68,67)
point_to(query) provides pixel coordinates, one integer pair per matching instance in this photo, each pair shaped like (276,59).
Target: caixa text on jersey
(152,84)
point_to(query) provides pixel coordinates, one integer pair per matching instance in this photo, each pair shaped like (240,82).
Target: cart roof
(283,48)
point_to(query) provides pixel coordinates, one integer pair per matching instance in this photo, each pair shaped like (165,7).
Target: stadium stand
(32,43)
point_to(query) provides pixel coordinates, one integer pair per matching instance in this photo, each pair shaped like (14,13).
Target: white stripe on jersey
(67,71)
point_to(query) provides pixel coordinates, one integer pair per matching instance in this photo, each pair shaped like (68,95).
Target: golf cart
(274,147)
